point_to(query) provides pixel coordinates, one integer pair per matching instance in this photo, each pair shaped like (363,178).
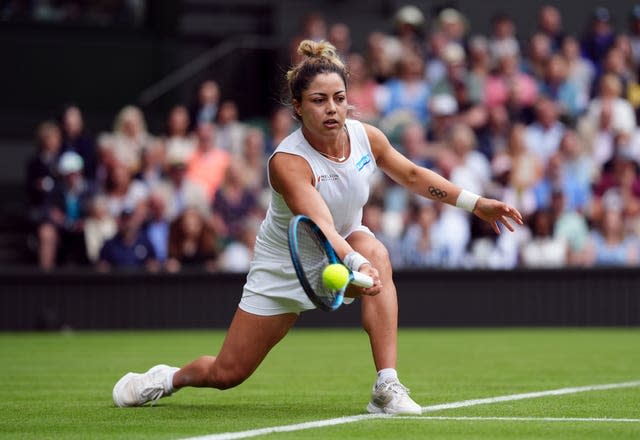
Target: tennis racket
(311,252)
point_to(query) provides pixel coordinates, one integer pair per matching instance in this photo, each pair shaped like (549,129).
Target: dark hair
(319,57)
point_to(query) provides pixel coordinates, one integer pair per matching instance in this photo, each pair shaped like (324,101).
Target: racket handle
(361,280)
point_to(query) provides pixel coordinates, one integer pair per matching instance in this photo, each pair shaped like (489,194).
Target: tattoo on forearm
(437,192)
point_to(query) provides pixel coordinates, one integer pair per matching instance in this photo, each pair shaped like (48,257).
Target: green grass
(58,385)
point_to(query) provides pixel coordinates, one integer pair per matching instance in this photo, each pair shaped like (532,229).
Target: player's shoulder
(376,137)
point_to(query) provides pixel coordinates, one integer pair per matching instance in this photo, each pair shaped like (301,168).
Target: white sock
(386,373)
(168,382)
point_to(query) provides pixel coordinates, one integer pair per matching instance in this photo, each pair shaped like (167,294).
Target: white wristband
(353,260)
(467,200)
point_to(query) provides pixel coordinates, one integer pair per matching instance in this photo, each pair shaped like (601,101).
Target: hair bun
(317,49)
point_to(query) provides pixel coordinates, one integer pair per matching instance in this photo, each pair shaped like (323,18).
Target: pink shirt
(208,169)
(496,90)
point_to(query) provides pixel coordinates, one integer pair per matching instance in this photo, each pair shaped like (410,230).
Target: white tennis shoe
(391,397)
(135,389)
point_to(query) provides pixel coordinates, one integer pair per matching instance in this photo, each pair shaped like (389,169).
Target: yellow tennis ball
(335,276)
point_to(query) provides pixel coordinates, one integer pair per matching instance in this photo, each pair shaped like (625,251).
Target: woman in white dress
(322,170)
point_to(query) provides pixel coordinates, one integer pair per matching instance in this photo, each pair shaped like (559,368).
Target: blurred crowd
(547,122)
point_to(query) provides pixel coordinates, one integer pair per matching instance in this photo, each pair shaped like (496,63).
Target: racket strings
(313,258)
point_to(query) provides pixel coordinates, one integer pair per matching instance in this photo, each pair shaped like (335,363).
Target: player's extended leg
(248,340)
(380,321)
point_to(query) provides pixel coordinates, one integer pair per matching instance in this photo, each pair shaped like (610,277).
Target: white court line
(431,408)
(523,419)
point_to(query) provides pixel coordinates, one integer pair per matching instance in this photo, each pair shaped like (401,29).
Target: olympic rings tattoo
(437,192)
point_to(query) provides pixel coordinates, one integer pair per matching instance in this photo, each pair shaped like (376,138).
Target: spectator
(569,101)
(405,97)
(156,226)
(41,169)
(525,169)
(208,165)
(314,27)
(423,244)
(253,161)
(444,113)
(206,106)
(75,138)
(281,124)
(230,132)
(362,90)
(490,251)
(509,85)
(580,70)
(382,54)
(129,248)
(454,25)
(542,137)
(237,256)
(479,59)
(544,249)
(130,137)
(634,34)
(456,77)
(99,227)
(606,115)
(538,55)
(557,179)
(178,139)
(180,190)
(191,242)
(550,24)
(122,191)
(503,36)
(153,164)
(609,244)
(621,178)
(61,231)
(408,23)
(598,37)
(464,87)
(572,228)
(340,36)
(493,138)
(233,203)
(614,64)
(578,163)
(376,219)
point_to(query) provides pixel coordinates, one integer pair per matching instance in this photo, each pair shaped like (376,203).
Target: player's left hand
(494,211)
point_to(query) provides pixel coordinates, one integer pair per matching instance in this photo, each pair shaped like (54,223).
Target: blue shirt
(119,254)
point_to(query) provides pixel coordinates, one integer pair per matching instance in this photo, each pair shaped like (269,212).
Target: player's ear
(296,107)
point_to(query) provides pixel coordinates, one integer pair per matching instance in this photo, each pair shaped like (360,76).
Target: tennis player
(322,170)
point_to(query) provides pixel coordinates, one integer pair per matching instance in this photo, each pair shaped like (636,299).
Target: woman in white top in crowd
(322,170)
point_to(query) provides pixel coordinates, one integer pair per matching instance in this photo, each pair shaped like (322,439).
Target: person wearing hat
(130,248)
(66,208)
(599,36)
(634,33)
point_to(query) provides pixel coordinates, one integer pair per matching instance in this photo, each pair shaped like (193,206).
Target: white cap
(409,15)
(444,105)
(70,162)
(453,53)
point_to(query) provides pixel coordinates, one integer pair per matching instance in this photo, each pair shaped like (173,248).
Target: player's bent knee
(225,378)
(379,255)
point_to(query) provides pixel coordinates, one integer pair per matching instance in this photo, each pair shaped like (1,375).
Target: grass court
(58,386)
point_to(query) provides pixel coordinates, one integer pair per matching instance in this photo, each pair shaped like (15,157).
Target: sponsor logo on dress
(363,161)
(328,178)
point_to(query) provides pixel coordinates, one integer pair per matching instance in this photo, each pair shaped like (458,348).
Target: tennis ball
(335,276)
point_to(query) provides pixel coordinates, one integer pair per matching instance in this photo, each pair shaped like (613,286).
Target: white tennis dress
(272,287)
